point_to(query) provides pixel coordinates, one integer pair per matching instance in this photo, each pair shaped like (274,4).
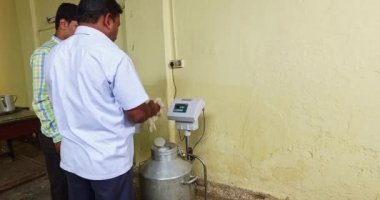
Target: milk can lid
(161,147)
(159,142)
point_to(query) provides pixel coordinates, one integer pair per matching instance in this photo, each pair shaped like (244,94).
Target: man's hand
(142,112)
(154,108)
(57,146)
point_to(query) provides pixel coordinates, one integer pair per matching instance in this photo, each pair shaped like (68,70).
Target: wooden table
(16,125)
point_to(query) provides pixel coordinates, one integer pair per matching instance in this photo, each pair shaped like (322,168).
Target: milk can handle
(190,181)
(15,98)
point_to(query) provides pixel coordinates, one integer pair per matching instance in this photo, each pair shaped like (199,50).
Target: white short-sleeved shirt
(91,81)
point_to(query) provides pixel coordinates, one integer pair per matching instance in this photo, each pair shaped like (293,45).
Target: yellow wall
(145,45)
(292,102)
(34,29)
(291,92)
(11,68)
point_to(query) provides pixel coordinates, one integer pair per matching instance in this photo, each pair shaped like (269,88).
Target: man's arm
(142,112)
(41,103)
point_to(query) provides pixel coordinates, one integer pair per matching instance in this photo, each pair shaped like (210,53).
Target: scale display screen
(180,107)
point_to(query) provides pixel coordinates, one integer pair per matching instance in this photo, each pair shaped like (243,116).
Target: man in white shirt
(97,99)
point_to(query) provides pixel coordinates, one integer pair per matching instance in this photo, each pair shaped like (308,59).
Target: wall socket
(175,64)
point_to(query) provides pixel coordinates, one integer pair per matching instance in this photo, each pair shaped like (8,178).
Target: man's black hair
(89,11)
(66,11)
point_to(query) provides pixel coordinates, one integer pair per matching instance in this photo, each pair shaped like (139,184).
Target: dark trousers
(57,177)
(118,188)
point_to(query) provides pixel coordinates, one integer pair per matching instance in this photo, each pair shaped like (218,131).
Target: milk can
(166,176)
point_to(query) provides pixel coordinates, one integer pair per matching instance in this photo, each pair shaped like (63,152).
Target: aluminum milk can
(166,176)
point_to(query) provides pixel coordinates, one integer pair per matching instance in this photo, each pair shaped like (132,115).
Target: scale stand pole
(189,150)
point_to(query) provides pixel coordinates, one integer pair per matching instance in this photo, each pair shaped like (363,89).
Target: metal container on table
(166,176)
(7,103)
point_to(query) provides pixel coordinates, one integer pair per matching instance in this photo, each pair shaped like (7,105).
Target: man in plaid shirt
(50,139)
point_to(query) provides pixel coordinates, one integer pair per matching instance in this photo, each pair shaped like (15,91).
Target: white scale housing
(185,113)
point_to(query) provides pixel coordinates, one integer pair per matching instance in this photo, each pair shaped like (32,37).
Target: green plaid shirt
(41,103)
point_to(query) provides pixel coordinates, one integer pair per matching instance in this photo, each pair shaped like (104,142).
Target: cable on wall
(204,129)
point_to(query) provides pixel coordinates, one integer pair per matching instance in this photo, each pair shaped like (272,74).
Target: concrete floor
(29,159)
(38,188)
(34,190)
